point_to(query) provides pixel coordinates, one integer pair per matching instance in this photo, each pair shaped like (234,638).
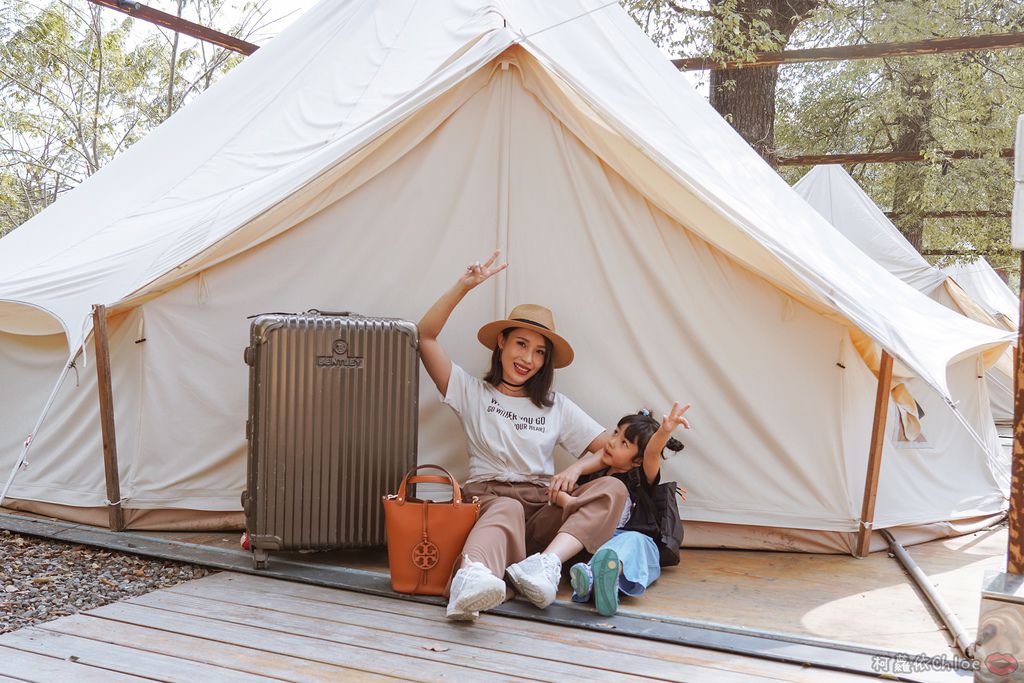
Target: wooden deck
(237,627)
(868,601)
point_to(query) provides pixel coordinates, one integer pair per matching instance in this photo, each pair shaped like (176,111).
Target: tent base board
(167,519)
(698,534)
(748,537)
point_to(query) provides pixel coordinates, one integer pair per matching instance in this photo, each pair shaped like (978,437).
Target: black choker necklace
(514,386)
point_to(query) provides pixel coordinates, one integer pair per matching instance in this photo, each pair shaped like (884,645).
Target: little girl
(629,562)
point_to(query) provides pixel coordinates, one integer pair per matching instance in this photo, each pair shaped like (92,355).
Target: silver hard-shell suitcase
(333,416)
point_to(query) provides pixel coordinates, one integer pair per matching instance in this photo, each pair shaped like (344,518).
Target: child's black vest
(654,511)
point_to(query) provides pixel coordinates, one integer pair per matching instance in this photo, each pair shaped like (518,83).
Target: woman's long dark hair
(639,429)
(538,387)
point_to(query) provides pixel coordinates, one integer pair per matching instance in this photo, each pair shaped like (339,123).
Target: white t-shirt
(511,439)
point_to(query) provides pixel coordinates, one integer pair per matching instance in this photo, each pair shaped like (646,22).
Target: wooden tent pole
(1015,543)
(867,514)
(99,326)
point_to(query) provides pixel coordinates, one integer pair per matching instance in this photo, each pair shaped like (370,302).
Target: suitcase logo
(339,357)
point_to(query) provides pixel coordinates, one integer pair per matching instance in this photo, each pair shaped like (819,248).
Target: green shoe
(581,581)
(605,568)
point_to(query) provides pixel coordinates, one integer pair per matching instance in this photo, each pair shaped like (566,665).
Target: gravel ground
(41,579)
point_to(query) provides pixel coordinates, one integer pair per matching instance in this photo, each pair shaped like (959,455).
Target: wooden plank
(383,614)
(605,650)
(474,655)
(993,251)
(256,651)
(179,25)
(100,341)
(867,515)
(964,213)
(885,157)
(124,659)
(270,636)
(929,46)
(36,668)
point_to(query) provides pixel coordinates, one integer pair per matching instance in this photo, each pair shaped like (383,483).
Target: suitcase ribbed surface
(333,422)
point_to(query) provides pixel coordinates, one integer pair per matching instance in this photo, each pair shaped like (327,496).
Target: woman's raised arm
(435,358)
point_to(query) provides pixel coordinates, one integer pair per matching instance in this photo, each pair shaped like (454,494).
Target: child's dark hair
(538,387)
(640,428)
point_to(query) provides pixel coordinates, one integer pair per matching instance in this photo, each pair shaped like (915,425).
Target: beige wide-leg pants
(516,520)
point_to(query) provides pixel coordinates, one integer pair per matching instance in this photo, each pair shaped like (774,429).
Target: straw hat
(531,317)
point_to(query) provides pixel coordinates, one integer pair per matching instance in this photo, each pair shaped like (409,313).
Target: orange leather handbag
(425,537)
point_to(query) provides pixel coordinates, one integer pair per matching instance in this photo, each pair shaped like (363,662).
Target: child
(629,562)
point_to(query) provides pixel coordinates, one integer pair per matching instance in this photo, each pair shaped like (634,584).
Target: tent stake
(99,325)
(867,514)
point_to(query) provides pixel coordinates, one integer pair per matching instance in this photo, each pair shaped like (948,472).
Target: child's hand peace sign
(476,272)
(675,418)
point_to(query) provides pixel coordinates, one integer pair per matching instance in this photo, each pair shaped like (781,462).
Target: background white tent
(837,197)
(985,286)
(361,159)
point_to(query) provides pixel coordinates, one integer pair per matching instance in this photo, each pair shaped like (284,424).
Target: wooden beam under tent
(884,157)
(930,46)
(1015,517)
(867,514)
(175,23)
(100,342)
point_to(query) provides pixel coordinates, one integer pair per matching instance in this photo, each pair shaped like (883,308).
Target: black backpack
(656,514)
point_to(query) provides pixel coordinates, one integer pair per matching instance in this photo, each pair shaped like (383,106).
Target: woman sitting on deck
(513,421)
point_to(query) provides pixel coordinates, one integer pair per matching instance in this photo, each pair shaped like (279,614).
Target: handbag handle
(412,478)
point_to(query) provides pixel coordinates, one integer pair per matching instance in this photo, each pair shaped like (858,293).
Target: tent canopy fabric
(289,113)
(837,197)
(364,157)
(985,286)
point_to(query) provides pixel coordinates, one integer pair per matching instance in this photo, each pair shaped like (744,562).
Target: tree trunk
(913,135)
(746,97)
(174,65)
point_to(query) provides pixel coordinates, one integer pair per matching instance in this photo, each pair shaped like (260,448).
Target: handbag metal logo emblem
(425,555)
(340,357)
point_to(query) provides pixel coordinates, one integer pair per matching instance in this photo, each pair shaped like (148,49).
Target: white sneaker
(474,588)
(537,578)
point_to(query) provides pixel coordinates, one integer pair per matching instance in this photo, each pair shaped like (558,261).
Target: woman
(512,422)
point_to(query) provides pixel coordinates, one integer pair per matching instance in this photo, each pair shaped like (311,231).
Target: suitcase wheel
(259,559)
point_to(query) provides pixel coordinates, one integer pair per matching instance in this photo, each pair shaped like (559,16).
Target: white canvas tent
(985,286)
(363,158)
(837,197)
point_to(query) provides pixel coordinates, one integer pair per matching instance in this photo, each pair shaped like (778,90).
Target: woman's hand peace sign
(478,272)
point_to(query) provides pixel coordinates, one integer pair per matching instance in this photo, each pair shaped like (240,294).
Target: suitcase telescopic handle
(412,478)
(317,311)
